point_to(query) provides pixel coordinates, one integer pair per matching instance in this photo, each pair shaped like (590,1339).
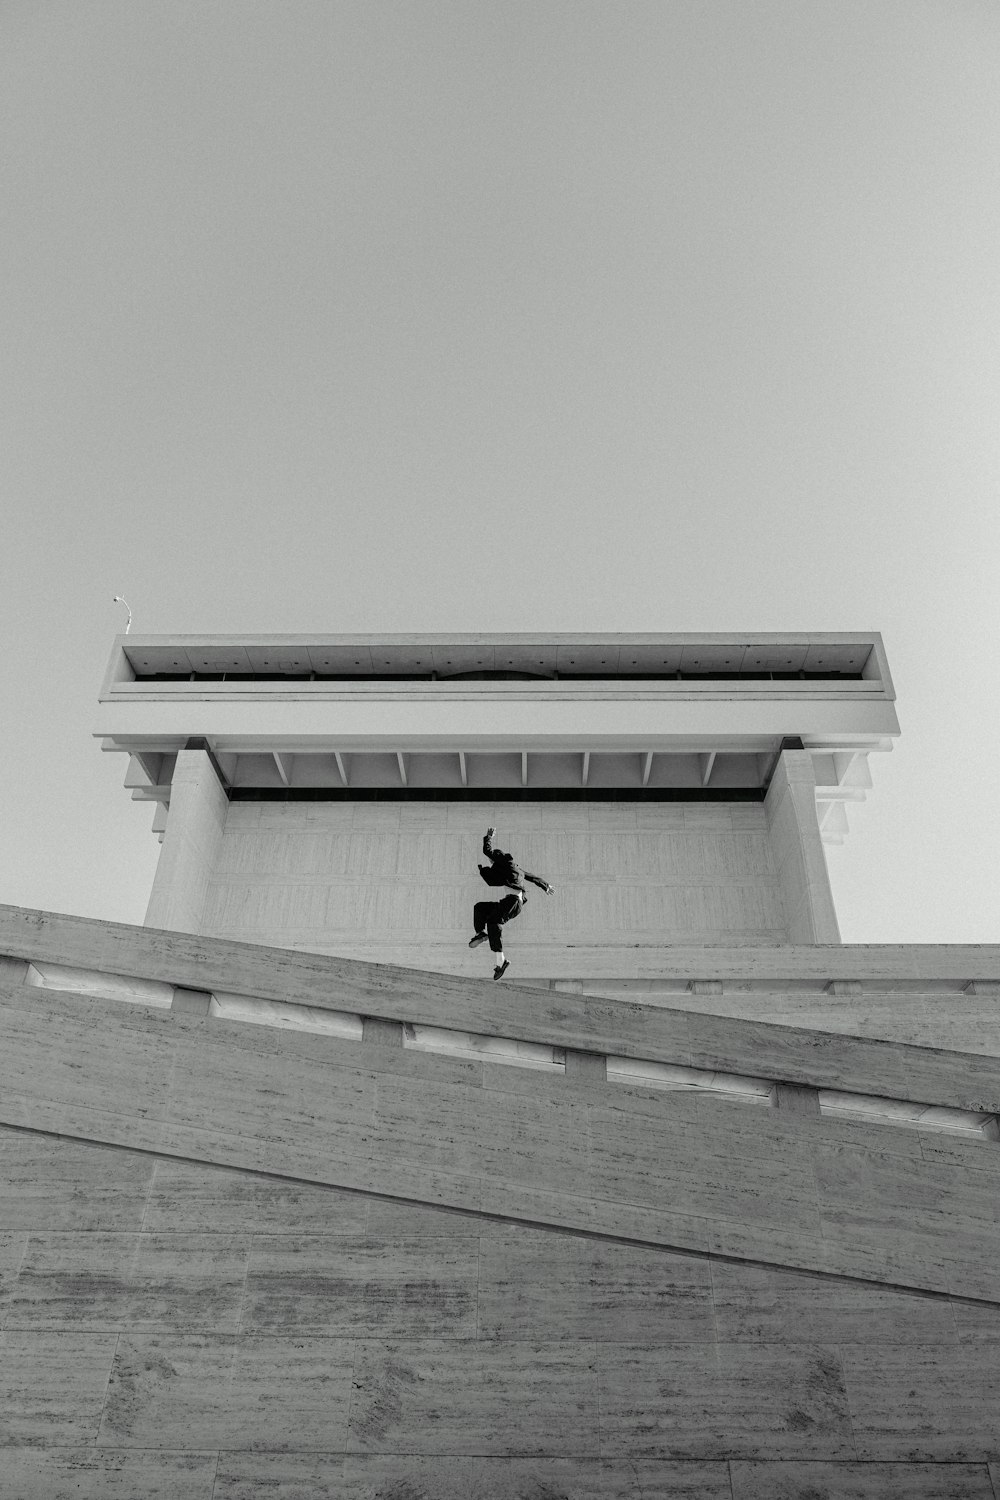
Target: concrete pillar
(790,806)
(191,843)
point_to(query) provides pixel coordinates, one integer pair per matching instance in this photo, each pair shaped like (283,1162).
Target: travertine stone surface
(735,1179)
(479,1397)
(52,1386)
(396,882)
(337,1476)
(593,1290)
(186,1199)
(12,1248)
(695,1360)
(766,1304)
(89,1473)
(217,1391)
(47,1183)
(847,1481)
(131,1281)
(925,1404)
(724,1400)
(412,1288)
(245,1263)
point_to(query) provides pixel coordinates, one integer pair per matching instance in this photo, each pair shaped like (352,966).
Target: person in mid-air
(489,916)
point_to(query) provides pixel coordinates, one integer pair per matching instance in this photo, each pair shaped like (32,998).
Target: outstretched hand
(550,890)
(490,832)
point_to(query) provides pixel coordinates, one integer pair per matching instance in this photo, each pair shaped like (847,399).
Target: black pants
(489,916)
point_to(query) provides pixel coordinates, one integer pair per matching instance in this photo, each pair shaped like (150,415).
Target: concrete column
(798,850)
(191,843)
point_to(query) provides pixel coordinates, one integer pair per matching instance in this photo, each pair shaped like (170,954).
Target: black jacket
(505,871)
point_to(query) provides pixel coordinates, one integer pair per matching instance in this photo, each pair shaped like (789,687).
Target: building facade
(296,1202)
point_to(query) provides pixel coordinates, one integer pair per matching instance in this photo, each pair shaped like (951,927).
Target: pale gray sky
(569,316)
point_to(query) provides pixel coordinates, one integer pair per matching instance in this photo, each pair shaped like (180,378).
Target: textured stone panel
(696,1170)
(128,1281)
(462,1397)
(925,1403)
(498,1136)
(47,1183)
(337,1476)
(389,1219)
(52,1386)
(764,1304)
(847,1481)
(11,1255)
(360,880)
(103,1474)
(185,1198)
(723,1401)
(594,1479)
(217,1391)
(536,1284)
(421,1287)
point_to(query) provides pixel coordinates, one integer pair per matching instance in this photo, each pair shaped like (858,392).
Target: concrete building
(296,1202)
(331,794)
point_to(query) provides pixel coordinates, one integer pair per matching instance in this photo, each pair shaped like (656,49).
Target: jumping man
(489,916)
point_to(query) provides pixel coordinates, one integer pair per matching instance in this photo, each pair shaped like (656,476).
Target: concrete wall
(238,1262)
(174,1329)
(396,881)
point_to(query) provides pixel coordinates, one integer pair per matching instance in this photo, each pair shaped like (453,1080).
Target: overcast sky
(503,316)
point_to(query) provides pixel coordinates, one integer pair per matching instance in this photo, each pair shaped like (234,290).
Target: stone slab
(184,1197)
(847,1481)
(131,1282)
(338,1476)
(585,1022)
(52,1386)
(65,1184)
(739,1180)
(723,1401)
(254,1476)
(95,1474)
(11,1254)
(219,1391)
(535,1284)
(341,1287)
(766,1304)
(475,1398)
(925,1404)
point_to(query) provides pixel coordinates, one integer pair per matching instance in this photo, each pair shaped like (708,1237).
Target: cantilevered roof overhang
(594,714)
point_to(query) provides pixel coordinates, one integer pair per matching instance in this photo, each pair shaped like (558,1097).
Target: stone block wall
(395,882)
(239,1262)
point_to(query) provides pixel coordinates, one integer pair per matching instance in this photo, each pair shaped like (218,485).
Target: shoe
(501,969)
(480,937)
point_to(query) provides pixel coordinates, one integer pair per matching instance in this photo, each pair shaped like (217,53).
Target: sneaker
(501,969)
(480,937)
